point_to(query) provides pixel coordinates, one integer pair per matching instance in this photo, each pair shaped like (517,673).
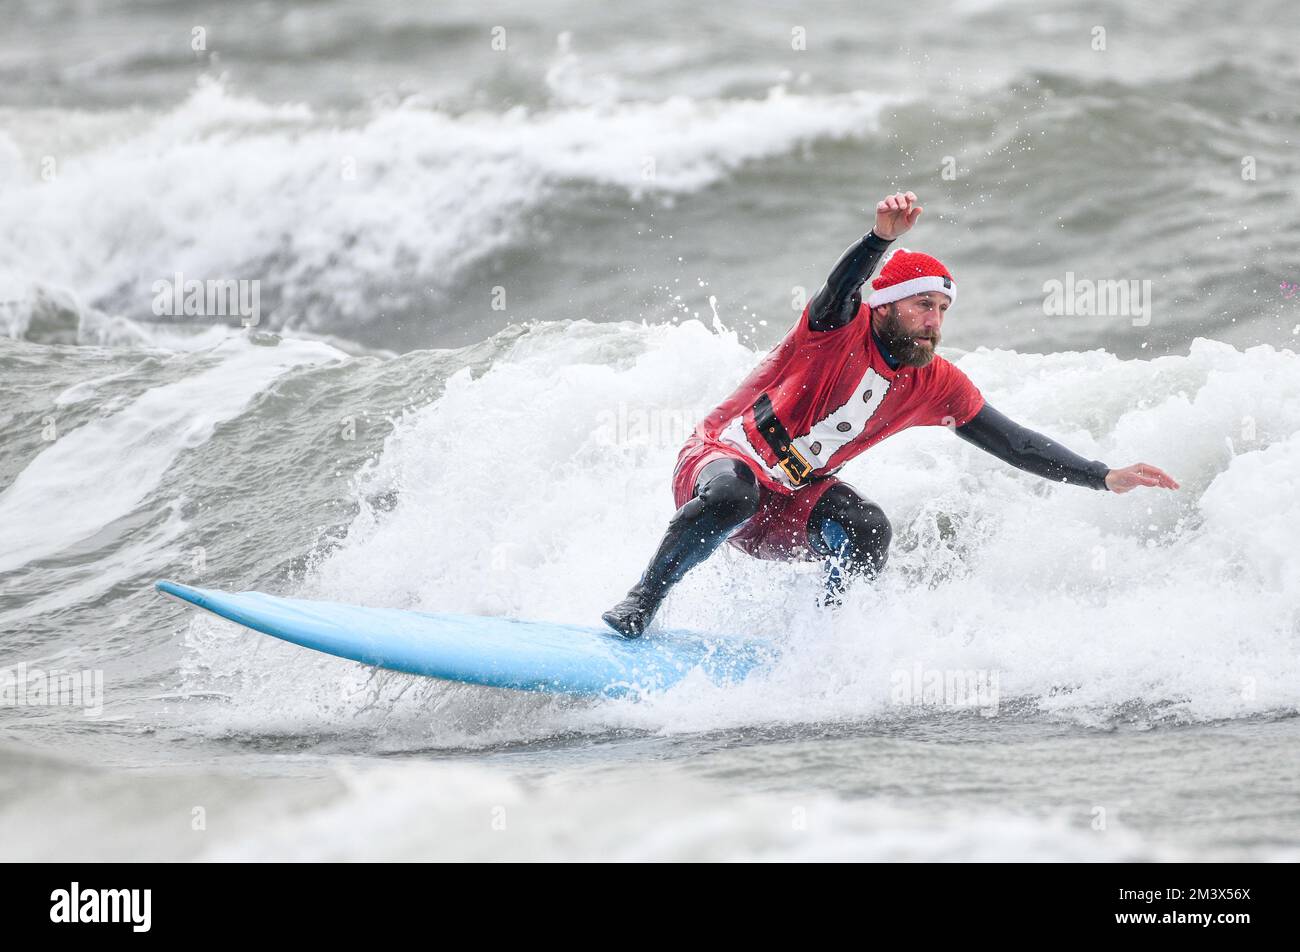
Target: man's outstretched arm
(1020,446)
(838,300)
(1024,449)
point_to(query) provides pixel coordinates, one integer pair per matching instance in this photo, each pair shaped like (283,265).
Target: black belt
(775,436)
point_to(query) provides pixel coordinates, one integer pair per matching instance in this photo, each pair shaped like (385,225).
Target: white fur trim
(896,292)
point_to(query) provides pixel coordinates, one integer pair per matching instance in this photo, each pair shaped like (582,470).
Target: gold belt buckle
(795,466)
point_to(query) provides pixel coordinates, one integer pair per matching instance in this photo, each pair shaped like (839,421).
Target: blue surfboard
(496,652)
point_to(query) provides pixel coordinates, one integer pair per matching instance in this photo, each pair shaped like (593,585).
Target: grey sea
(482,267)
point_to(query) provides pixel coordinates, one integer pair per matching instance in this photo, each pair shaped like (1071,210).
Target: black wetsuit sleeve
(838,300)
(1024,449)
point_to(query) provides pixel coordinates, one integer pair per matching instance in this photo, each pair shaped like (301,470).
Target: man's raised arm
(837,301)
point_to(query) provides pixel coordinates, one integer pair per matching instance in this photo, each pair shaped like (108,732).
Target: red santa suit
(823,397)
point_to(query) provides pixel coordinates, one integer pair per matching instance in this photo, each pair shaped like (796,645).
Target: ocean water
(498,287)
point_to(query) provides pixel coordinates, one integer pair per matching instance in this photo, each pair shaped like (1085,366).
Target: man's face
(910,327)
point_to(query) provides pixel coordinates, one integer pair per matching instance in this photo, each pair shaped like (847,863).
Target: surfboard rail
(492,651)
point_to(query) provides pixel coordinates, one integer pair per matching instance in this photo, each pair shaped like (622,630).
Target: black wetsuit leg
(853,532)
(725,495)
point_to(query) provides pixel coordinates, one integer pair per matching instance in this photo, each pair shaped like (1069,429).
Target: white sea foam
(408,810)
(512,499)
(220,187)
(414,812)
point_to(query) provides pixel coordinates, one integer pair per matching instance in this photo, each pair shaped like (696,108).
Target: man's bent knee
(728,489)
(731,496)
(865,529)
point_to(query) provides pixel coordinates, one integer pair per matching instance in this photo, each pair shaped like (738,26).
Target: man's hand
(1139,474)
(896,214)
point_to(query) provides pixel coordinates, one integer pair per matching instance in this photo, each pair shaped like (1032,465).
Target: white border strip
(896,292)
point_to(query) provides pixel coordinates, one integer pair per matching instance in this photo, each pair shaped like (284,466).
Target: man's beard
(899,342)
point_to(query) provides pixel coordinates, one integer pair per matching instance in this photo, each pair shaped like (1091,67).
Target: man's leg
(854,532)
(726,495)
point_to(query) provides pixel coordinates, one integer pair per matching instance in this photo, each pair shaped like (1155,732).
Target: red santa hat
(907,273)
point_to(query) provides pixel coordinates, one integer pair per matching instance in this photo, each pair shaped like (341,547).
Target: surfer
(759,470)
